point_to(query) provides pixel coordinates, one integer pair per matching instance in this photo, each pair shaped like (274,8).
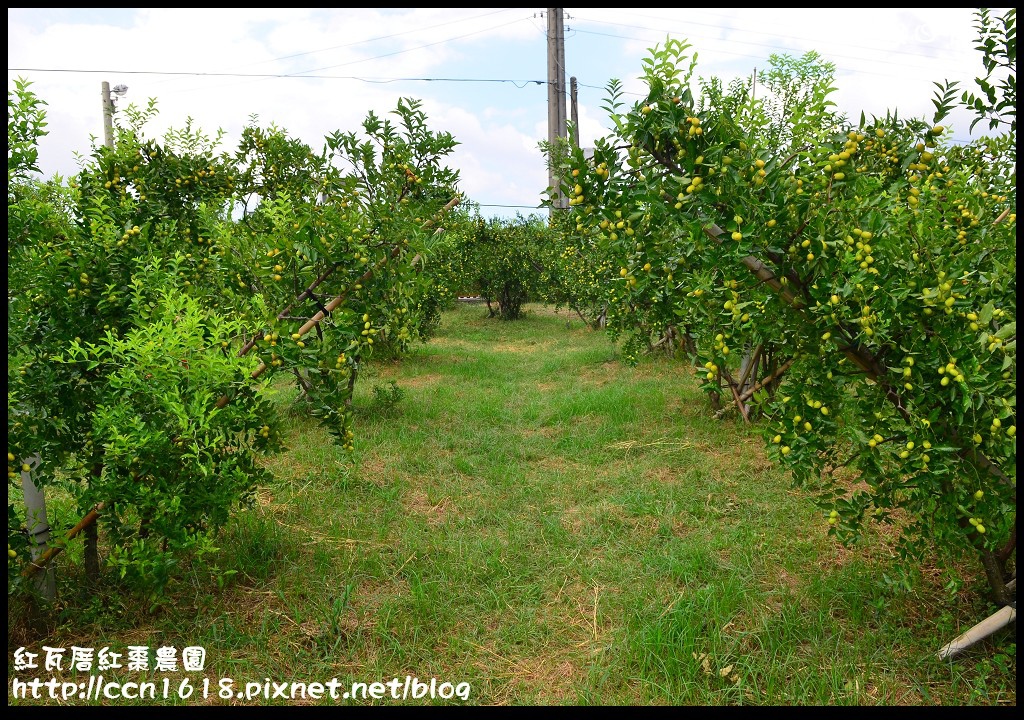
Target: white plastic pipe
(38,528)
(982,630)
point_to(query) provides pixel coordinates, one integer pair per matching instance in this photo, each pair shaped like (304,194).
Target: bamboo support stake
(762,271)
(40,562)
(740,405)
(865,360)
(223,400)
(750,362)
(308,292)
(779,372)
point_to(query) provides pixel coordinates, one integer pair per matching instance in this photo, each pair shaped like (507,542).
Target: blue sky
(885,59)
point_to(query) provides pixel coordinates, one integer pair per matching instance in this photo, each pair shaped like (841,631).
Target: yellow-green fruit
(979,495)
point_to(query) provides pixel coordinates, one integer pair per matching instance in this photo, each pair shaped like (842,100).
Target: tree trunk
(91,541)
(351,385)
(995,572)
(92,553)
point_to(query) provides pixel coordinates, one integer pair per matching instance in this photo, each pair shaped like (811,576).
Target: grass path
(552,526)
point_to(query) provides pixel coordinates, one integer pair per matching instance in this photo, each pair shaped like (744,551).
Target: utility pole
(556,94)
(575,112)
(108,116)
(91,549)
(108,111)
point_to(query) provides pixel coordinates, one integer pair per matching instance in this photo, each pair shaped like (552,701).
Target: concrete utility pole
(108,111)
(575,112)
(108,116)
(91,549)
(556,92)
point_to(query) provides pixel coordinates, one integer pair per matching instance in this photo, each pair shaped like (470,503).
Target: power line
(518,83)
(381,37)
(762,58)
(788,35)
(364,41)
(305,73)
(418,47)
(524,207)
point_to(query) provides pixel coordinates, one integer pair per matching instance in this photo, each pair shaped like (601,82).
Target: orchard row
(154,296)
(852,283)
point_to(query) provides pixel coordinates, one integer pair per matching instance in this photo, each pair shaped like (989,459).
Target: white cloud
(885,59)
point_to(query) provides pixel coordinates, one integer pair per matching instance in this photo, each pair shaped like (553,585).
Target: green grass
(554,527)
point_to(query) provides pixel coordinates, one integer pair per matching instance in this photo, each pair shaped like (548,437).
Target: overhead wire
(788,35)
(518,83)
(780,50)
(381,37)
(301,73)
(353,44)
(313,73)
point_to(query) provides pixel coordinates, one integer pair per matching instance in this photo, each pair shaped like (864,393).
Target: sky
(480,73)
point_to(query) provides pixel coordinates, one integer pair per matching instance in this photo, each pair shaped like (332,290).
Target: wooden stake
(40,562)
(223,400)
